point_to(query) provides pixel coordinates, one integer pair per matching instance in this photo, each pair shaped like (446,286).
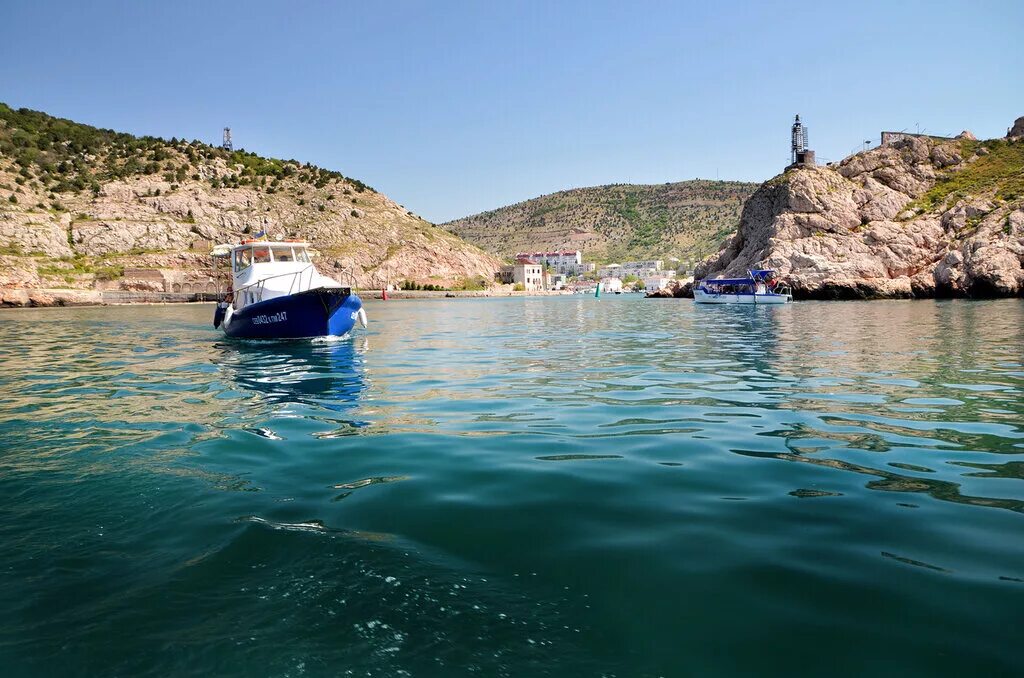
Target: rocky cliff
(84,208)
(620,221)
(917,217)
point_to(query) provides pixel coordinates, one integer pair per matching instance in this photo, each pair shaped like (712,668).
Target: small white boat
(759,287)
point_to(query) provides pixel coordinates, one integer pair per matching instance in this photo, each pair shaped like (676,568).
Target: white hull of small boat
(702,297)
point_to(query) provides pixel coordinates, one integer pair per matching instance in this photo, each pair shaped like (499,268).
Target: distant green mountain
(686,219)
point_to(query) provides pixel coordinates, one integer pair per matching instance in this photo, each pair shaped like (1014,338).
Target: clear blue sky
(456,107)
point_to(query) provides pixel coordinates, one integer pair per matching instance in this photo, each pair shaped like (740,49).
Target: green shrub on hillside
(473,284)
(70,268)
(73,156)
(1000,172)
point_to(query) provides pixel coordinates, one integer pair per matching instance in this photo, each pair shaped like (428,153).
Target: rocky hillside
(620,221)
(82,207)
(919,217)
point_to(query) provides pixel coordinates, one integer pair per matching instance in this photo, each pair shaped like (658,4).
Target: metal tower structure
(226,144)
(799,144)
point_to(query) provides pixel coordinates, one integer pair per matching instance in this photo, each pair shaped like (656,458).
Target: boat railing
(297,279)
(253,292)
(346,276)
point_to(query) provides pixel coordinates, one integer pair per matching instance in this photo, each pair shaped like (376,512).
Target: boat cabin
(263,270)
(759,287)
(757,282)
(246,255)
(734,286)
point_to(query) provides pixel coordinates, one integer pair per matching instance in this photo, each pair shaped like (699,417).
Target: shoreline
(66,297)
(15,298)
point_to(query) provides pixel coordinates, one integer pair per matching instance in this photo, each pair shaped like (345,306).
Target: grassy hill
(69,157)
(79,205)
(686,219)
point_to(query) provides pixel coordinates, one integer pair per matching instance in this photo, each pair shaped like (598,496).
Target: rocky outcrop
(919,217)
(373,244)
(676,289)
(79,219)
(20,298)
(1017,131)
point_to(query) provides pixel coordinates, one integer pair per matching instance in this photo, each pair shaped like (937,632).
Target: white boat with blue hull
(759,287)
(277,293)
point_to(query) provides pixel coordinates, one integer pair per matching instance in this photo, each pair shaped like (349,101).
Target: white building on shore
(656,283)
(632,267)
(566,262)
(640,269)
(584,268)
(525,272)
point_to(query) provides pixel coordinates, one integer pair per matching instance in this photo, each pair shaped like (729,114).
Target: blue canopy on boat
(754,276)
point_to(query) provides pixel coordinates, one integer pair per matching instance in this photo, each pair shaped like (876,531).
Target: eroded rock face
(848,231)
(364,238)
(1017,130)
(675,289)
(35,234)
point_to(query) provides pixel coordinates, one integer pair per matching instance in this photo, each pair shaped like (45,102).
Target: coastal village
(566,271)
(917,215)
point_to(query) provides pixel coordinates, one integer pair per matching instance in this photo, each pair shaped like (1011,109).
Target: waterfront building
(636,267)
(639,269)
(588,267)
(656,283)
(526,272)
(611,285)
(566,262)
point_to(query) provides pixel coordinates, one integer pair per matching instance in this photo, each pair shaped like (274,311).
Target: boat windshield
(243,257)
(287,253)
(282,254)
(264,254)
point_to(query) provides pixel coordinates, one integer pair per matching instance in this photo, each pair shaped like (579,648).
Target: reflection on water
(517,487)
(324,373)
(319,379)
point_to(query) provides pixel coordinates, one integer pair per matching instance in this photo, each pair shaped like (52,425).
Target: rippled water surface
(561,486)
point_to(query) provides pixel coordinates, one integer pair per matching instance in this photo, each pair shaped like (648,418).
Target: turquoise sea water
(539,486)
